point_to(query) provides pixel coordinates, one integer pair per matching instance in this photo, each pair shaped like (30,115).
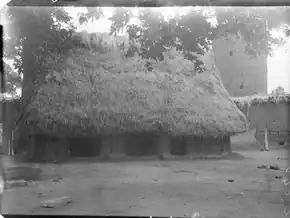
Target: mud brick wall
(276,117)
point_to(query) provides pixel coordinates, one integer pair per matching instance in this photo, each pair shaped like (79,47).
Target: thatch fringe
(4,97)
(247,101)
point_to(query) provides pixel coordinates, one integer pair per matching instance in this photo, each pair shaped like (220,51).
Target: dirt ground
(158,188)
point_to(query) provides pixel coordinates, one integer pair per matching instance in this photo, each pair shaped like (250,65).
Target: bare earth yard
(159,188)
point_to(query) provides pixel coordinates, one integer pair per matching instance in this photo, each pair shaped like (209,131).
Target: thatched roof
(86,96)
(261,100)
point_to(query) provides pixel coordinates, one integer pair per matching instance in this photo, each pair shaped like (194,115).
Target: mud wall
(275,116)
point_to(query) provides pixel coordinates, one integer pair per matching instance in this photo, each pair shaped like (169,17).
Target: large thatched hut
(88,107)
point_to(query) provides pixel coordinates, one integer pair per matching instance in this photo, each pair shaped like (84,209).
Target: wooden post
(266,145)
(3,113)
(12,143)
(9,147)
(227,141)
(32,143)
(248,110)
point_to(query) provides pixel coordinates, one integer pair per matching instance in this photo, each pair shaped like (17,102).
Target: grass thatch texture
(89,96)
(261,99)
(175,63)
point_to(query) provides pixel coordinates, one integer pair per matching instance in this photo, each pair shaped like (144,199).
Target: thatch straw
(4,97)
(85,97)
(261,100)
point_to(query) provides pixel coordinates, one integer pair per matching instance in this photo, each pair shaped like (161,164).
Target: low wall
(273,116)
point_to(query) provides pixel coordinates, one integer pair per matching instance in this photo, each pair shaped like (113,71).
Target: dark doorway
(46,148)
(140,144)
(178,146)
(84,147)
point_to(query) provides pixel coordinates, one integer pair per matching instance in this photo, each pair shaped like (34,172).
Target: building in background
(241,74)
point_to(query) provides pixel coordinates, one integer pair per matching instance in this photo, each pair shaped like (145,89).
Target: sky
(279,68)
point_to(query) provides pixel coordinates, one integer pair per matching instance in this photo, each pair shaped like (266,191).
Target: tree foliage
(187,33)
(12,79)
(33,35)
(254,25)
(192,32)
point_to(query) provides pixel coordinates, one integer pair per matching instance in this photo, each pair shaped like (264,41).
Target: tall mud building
(242,75)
